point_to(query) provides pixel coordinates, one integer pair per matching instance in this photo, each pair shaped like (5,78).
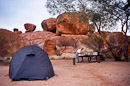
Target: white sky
(15,13)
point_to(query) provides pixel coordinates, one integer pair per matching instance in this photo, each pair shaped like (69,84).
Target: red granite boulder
(49,25)
(29,27)
(72,23)
(50,47)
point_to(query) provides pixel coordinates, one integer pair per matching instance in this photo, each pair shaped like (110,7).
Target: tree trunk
(105,43)
(128,53)
(114,53)
(123,36)
(60,52)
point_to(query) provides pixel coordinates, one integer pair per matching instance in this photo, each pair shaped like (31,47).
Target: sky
(15,13)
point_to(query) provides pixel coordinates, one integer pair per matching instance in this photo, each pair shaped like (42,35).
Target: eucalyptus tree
(103,14)
(59,6)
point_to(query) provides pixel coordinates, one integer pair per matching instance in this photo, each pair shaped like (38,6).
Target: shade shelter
(30,63)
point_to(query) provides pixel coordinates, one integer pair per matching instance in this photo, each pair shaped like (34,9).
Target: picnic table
(89,58)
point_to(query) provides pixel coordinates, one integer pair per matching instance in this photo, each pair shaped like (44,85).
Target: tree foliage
(105,13)
(60,6)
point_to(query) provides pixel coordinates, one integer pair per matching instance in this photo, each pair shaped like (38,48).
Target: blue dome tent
(30,63)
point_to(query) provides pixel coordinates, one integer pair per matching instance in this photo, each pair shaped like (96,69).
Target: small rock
(29,27)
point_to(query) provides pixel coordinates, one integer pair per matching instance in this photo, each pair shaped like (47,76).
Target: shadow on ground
(4,63)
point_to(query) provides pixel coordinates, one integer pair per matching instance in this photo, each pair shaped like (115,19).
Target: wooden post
(73,61)
(98,59)
(89,59)
(82,59)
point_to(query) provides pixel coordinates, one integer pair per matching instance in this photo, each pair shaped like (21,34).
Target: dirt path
(107,73)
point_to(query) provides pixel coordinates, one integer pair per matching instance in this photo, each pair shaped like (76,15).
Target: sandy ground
(106,73)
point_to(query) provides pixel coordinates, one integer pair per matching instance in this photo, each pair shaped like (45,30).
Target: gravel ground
(106,73)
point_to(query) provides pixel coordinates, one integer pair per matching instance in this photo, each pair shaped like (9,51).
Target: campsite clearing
(107,73)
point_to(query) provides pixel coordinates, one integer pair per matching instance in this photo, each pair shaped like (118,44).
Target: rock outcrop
(29,27)
(114,38)
(38,37)
(53,44)
(69,43)
(9,42)
(50,47)
(72,23)
(68,49)
(49,25)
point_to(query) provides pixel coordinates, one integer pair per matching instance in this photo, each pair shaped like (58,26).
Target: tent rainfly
(30,63)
